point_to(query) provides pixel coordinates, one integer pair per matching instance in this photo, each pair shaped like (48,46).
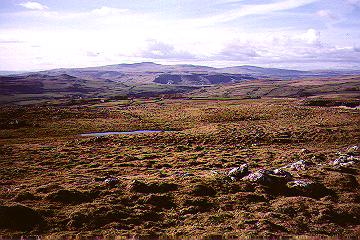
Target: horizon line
(181,64)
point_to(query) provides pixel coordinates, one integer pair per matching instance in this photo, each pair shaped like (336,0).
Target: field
(182,181)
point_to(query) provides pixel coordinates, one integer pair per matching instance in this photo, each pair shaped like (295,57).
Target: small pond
(99,134)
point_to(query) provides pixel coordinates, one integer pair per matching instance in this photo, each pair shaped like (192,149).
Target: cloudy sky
(300,34)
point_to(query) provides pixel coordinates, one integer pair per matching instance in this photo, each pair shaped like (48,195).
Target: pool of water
(99,134)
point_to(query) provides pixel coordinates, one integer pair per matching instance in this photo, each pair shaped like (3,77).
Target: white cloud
(326,14)
(228,1)
(33,6)
(107,35)
(257,48)
(83,48)
(85,16)
(75,48)
(354,2)
(92,54)
(256,9)
(159,50)
(311,36)
(105,11)
(238,52)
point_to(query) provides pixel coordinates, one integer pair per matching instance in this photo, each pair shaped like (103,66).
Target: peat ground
(262,167)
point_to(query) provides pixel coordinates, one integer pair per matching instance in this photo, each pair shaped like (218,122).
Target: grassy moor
(179,119)
(234,167)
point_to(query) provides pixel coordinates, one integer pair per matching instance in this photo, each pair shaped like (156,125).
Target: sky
(297,34)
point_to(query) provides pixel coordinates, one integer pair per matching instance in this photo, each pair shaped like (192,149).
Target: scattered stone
(304,151)
(238,172)
(112,182)
(307,188)
(261,177)
(345,161)
(269,177)
(72,196)
(353,151)
(347,164)
(299,165)
(186,174)
(318,157)
(283,174)
(301,184)
(19,217)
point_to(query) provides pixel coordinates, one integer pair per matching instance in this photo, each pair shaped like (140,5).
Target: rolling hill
(150,79)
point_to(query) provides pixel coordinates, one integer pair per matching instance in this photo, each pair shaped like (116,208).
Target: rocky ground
(234,168)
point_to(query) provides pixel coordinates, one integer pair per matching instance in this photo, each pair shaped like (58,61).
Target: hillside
(334,87)
(152,80)
(151,150)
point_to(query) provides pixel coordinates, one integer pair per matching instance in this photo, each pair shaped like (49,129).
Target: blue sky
(299,34)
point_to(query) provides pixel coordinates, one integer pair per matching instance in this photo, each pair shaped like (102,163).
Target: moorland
(254,155)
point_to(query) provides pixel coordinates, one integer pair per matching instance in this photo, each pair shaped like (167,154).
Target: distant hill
(185,74)
(342,87)
(6,73)
(151,79)
(259,71)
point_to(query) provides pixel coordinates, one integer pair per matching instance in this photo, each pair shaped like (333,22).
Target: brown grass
(174,182)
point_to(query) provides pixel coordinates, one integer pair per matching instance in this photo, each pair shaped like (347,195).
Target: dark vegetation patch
(168,79)
(202,189)
(348,214)
(93,218)
(200,79)
(72,196)
(155,187)
(217,79)
(341,182)
(17,123)
(19,217)
(197,205)
(26,196)
(161,201)
(332,103)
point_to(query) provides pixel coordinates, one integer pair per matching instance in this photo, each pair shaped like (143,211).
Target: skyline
(297,34)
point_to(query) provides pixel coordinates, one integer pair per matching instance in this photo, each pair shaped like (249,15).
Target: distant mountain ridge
(116,71)
(152,79)
(150,67)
